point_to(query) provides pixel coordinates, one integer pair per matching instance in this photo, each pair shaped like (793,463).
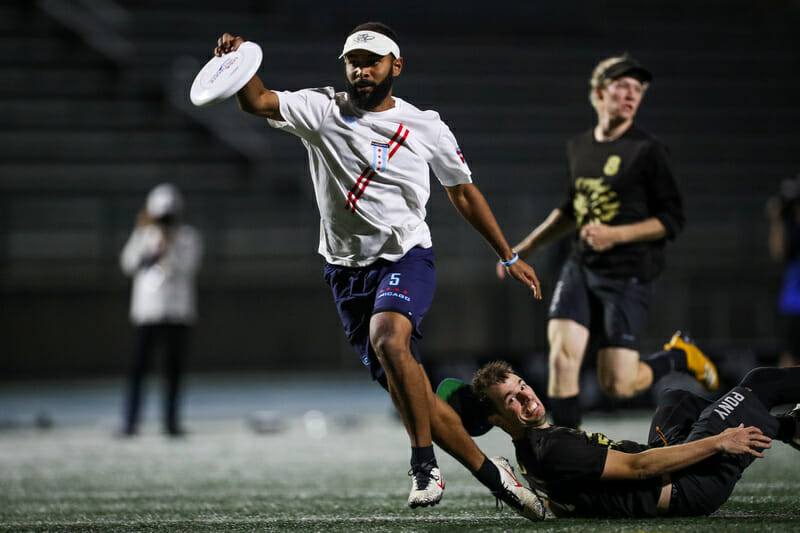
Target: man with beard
(369,157)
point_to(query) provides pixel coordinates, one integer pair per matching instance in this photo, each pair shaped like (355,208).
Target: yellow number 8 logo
(612,165)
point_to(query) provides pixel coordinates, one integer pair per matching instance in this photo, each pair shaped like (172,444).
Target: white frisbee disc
(223,76)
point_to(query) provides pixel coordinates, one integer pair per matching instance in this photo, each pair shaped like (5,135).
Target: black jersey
(623,181)
(564,466)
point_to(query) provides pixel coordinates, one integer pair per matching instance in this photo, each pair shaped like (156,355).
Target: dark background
(95,112)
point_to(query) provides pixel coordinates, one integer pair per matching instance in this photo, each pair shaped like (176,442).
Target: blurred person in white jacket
(162,256)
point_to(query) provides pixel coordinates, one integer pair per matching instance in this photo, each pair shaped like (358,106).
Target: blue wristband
(510,261)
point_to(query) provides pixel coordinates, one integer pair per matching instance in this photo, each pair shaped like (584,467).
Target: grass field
(226,477)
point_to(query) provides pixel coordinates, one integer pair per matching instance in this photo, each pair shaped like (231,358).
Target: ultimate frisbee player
(624,202)
(696,451)
(370,155)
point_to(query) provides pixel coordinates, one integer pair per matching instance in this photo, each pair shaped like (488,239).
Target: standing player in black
(696,451)
(625,204)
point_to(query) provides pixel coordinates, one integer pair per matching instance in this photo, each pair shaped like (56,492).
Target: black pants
(702,488)
(173,338)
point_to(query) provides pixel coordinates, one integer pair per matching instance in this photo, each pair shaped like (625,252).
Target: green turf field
(226,477)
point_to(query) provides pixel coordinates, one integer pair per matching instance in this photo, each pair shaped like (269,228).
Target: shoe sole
(426,504)
(678,342)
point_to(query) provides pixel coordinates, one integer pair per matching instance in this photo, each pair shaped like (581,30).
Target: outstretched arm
(659,461)
(469,201)
(253,97)
(555,226)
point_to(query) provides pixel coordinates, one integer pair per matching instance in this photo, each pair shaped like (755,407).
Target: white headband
(371,41)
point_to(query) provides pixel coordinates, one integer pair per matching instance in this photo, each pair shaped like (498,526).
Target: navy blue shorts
(405,286)
(614,310)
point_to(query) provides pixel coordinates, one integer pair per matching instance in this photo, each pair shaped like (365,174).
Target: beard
(368,102)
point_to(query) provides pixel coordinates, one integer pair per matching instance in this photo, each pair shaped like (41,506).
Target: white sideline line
(242,495)
(269,520)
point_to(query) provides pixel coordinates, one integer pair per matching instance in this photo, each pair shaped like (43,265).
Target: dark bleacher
(94,102)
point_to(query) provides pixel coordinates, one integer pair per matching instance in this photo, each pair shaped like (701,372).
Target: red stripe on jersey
(398,145)
(351,196)
(398,132)
(368,173)
(358,188)
(364,184)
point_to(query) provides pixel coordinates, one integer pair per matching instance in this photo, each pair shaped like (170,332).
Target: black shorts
(614,310)
(405,286)
(703,487)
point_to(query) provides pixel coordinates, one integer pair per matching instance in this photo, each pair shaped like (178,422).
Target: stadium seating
(93,96)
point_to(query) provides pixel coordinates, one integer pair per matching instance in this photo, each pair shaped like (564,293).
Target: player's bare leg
(621,373)
(390,335)
(449,433)
(568,341)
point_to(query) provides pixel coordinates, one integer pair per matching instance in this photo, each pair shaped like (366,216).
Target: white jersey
(371,172)
(163,291)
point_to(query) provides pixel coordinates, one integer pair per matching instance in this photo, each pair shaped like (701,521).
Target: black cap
(461,397)
(626,67)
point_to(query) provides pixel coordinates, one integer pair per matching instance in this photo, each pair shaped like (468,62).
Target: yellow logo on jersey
(594,201)
(602,440)
(612,165)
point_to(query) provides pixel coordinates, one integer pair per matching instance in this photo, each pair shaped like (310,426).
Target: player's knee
(389,346)
(758,376)
(563,366)
(764,383)
(673,396)
(617,387)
